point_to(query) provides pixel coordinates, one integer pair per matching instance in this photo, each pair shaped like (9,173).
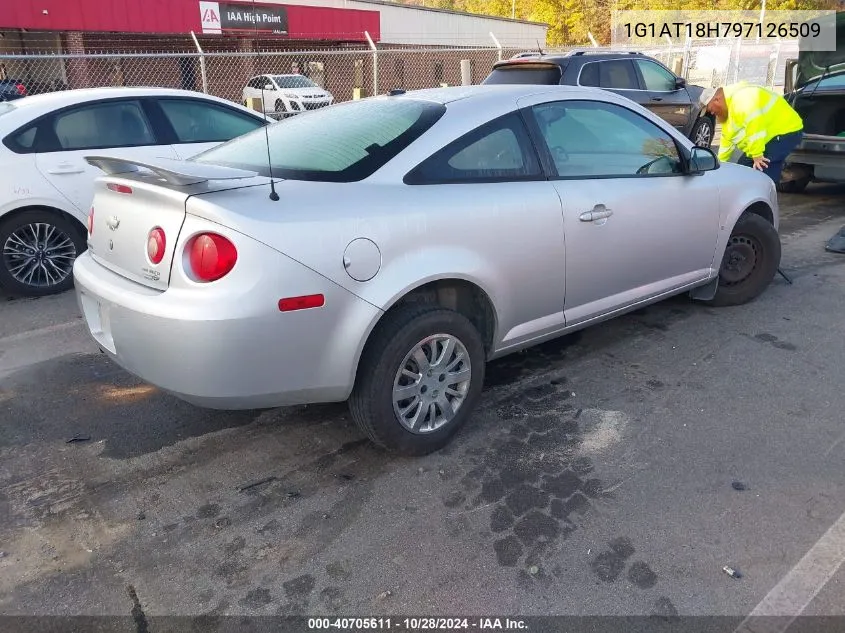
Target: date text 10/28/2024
(721,29)
(417,624)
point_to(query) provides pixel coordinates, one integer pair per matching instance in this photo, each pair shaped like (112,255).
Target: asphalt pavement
(596,478)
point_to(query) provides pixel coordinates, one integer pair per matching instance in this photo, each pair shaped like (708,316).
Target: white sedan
(287,94)
(47,187)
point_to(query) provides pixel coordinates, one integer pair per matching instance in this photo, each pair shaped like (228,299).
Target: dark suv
(630,74)
(11,89)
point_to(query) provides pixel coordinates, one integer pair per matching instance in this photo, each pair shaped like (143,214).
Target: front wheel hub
(741,258)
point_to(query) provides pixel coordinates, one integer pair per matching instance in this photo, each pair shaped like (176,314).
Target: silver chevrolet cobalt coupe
(406,240)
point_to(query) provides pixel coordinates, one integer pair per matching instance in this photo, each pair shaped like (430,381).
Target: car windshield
(293,81)
(525,73)
(341,143)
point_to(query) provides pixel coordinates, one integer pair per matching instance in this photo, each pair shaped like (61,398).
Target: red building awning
(201,16)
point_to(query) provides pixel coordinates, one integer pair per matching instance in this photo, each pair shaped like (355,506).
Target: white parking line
(50,329)
(793,594)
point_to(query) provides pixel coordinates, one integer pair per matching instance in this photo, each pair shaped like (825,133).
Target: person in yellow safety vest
(756,120)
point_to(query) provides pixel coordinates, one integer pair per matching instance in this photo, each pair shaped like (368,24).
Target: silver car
(406,240)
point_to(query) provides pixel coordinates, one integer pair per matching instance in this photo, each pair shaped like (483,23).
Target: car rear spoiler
(175,172)
(525,61)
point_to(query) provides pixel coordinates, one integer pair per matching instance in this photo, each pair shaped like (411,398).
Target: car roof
(486,92)
(61,98)
(559,58)
(33,106)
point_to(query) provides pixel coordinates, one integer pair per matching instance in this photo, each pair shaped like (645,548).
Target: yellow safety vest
(755,116)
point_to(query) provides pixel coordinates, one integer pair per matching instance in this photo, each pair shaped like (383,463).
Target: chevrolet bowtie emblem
(113,222)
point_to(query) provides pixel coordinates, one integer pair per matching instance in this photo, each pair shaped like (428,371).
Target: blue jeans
(776,151)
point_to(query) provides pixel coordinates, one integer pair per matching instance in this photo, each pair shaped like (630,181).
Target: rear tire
(55,241)
(749,263)
(380,375)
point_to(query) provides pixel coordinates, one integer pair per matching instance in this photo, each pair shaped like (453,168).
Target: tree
(570,21)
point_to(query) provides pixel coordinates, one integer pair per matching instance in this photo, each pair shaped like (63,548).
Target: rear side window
(617,74)
(117,124)
(341,143)
(196,122)
(589,75)
(26,139)
(497,151)
(525,73)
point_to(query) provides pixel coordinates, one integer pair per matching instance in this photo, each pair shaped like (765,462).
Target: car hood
(305,92)
(812,64)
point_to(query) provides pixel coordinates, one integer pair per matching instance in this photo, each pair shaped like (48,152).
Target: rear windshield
(525,74)
(341,143)
(833,82)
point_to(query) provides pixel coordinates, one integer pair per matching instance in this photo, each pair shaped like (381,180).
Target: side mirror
(680,82)
(269,87)
(703,159)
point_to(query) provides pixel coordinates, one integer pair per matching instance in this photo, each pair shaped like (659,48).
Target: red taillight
(212,256)
(91,221)
(155,245)
(301,303)
(21,89)
(119,188)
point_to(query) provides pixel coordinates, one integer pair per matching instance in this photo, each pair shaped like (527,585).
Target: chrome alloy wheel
(39,255)
(432,383)
(703,135)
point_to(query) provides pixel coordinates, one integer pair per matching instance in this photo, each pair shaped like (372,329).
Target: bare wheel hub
(741,258)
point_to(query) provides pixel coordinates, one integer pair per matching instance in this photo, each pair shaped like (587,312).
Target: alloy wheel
(39,255)
(704,135)
(432,383)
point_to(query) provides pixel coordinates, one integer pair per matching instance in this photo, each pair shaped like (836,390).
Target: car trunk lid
(134,198)
(812,64)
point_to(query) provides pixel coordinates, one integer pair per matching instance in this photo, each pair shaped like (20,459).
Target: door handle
(657,98)
(599,212)
(65,168)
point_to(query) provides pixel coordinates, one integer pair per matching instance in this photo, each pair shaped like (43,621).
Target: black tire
(704,125)
(751,234)
(794,186)
(371,402)
(9,226)
(280,105)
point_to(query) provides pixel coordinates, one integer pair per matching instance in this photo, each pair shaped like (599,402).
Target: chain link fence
(357,72)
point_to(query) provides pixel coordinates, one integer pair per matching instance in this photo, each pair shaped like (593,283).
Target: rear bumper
(816,149)
(229,346)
